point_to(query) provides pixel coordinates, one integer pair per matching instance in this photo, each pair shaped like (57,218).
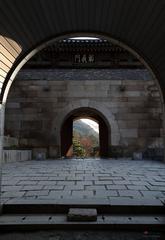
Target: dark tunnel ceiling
(140,24)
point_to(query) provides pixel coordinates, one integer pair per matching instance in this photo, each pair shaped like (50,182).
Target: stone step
(62,206)
(117,222)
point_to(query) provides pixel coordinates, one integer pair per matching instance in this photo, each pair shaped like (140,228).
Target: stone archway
(10,77)
(116,133)
(8,83)
(101,108)
(16,49)
(67,130)
(55,19)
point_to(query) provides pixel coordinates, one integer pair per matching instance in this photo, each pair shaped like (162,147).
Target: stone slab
(82,214)
(123,180)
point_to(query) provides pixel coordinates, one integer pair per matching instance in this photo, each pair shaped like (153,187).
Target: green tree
(78,149)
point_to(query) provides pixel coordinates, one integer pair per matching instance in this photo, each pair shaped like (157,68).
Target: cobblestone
(96,187)
(37,193)
(118,181)
(116,187)
(129,193)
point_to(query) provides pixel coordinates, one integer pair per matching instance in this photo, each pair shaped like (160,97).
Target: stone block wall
(16,155)
(39,100)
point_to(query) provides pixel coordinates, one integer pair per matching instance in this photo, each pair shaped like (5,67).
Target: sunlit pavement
(118,181)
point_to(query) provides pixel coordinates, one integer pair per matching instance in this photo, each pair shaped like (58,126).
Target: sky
(91,123)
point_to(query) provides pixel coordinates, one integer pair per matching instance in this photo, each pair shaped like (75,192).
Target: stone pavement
(117,181)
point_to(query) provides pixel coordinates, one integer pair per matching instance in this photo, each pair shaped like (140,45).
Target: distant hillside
(84,130)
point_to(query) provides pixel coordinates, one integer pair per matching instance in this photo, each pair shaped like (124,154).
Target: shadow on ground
(83,235)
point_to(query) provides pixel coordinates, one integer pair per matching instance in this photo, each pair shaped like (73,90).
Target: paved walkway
(113,180)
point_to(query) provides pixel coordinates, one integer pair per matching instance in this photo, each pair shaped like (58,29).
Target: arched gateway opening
(96,72)
(71,79)
(133,103)
(67,131)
